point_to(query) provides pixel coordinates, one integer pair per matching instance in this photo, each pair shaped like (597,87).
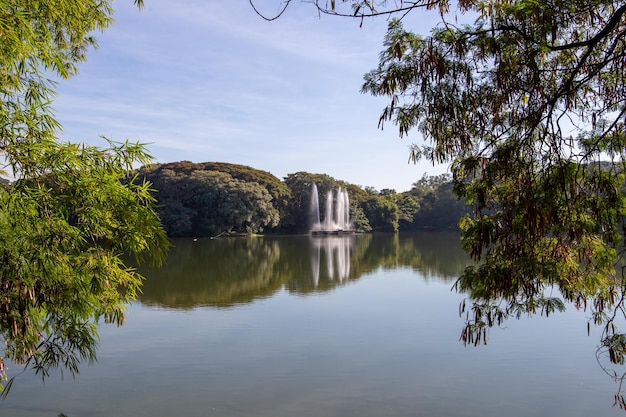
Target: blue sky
(209,80)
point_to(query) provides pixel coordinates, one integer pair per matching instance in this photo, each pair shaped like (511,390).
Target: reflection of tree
(434,254)
(232,271)
(318,264)
(608,348)
(219,273)
(608,310)
(226,272)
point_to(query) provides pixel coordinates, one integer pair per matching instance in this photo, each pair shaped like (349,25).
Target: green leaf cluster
(527,103)
(212,199)
(72,212)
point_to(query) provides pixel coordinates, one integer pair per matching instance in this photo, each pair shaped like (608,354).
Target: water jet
(336,218)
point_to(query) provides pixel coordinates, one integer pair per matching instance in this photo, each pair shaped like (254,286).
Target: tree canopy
(72,210)
(527,101)
(206,200)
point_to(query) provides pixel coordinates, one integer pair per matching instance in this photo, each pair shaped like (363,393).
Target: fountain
(335,221)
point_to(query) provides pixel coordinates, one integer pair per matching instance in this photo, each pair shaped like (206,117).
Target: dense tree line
(244,270)
(212,199)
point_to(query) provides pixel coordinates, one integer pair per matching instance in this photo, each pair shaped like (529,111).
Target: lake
(364,325)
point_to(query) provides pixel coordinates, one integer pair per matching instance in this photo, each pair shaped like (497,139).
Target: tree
(408,207)
(503,99)
(245,206)
(382,213)
(526,101)
(278,190)
(72,210)
(439,207)
(195,200)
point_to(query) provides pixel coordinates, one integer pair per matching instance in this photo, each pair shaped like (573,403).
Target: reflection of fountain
(336,253)
(337,222)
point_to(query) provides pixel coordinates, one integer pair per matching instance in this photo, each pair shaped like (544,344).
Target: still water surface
(300,326)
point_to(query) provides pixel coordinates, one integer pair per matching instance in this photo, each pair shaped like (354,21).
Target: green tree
(247,207)
(171,191)
(195,201)
(439,207)
(502,98)
(278,190)
(408,207)
(526,100)
(72,210)
(382,213)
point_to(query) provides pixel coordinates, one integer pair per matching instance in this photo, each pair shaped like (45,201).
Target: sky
(210,80)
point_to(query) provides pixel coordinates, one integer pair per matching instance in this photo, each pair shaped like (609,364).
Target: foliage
(503,98)
(194,201)
(382,213)
(207,199)
(278,190)
(72,210)
(440,208)
(430,204)
(408,207)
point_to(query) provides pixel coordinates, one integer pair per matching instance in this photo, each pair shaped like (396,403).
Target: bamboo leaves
(72,210)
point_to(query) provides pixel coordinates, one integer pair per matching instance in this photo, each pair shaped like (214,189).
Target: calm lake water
(363,325)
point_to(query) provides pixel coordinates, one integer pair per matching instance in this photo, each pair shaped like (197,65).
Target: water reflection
(385,346)
(219,273)
(223,273)
(227,272)
(334,252)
